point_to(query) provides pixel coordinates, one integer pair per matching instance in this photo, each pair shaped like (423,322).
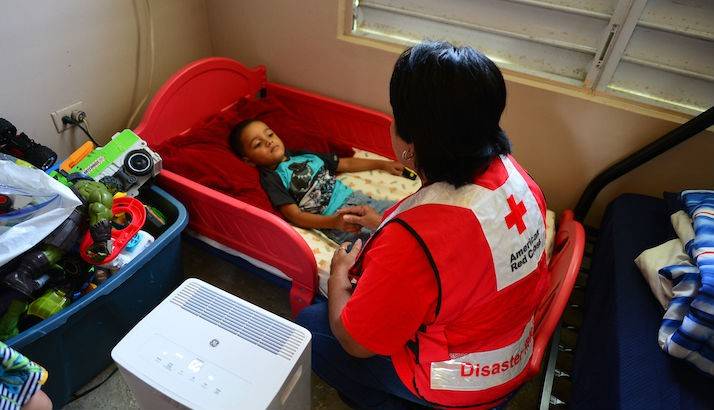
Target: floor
(114,393)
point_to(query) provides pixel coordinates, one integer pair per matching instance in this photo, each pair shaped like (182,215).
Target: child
(302,185)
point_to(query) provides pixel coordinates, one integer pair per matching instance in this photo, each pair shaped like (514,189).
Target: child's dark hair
(234,137)
(448,101)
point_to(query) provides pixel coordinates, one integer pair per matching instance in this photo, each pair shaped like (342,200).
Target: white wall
(53,53)
(562,140)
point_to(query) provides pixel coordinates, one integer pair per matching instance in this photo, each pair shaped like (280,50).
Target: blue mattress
(618,364)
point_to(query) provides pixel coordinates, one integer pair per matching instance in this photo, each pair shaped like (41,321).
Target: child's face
(261,146)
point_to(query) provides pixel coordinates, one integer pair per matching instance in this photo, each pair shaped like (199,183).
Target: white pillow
(682,224)
(654,259)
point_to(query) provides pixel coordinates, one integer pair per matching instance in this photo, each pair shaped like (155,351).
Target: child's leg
(341,236)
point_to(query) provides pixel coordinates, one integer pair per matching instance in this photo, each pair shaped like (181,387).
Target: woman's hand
(361,215)
(342,261)
(393,167)
(339,291)
(341,224)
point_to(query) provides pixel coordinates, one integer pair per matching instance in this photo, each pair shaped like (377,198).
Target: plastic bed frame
(215,84)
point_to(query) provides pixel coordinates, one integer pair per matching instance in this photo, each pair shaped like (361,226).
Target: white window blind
(660,52)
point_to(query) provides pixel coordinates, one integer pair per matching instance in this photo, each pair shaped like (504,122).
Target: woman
(446,289)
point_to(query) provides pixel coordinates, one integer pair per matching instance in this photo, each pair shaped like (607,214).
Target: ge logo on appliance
(214,342)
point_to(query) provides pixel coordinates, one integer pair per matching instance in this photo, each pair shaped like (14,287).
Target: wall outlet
(57,115)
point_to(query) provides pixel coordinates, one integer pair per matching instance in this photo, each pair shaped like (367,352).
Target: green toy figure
(97,198)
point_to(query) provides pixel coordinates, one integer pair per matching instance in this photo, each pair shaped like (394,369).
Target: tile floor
(114,393)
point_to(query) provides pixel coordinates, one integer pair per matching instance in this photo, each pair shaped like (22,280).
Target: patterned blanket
(687,330)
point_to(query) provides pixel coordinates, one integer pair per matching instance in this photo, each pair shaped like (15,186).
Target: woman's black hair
(234,137)
(448,101)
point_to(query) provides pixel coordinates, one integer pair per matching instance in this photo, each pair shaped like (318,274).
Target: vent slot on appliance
(250,325)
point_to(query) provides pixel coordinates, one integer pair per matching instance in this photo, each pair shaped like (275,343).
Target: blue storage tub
(75,344)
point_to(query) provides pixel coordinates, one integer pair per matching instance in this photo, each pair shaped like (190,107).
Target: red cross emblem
(516,215)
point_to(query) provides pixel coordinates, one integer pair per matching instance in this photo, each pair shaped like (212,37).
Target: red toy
(136,215)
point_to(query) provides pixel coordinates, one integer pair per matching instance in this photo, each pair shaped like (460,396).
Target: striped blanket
(20,378)
(687,330)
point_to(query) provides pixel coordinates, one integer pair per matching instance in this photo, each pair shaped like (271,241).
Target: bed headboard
(202,88)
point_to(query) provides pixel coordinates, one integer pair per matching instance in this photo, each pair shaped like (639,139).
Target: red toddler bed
(215,85)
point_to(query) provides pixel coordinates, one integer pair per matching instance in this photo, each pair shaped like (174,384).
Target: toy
(78,155)
(409,174)
(90,287)
(71,274)
(101,274)
(5,204)
(155,219)
(11,318)
(53,301)
(125,161)
(133,211)
(21,146)
(97,199)
(136,245)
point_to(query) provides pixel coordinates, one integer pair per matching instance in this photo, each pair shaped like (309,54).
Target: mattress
(618,363)
(376,184)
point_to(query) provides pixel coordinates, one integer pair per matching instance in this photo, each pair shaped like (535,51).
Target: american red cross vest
(485,243)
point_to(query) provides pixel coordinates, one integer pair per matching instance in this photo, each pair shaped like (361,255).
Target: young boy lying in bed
(302,185)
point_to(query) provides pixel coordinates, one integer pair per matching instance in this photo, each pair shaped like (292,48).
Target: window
(660,52)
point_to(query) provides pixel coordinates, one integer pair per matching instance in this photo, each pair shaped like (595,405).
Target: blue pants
(357,198)
(362,383)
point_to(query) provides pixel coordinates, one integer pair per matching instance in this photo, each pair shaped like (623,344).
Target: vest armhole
(429,257)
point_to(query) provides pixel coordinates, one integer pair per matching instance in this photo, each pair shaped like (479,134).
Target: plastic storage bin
(75,344)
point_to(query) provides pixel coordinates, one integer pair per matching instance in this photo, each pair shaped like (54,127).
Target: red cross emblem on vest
(516,215)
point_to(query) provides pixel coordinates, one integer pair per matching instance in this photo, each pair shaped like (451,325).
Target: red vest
(485,243)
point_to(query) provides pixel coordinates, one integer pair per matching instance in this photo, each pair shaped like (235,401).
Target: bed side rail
(351,124)
(249,230)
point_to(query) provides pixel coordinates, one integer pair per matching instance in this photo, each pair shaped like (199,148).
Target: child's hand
(341,224)
(393,167)
(361,215)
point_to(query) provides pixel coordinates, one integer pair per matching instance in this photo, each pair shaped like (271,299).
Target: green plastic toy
(48,304)
(11,318)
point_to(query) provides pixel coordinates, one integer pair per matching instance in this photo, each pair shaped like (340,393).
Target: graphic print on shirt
(300,180)
(308,181)
(318,195)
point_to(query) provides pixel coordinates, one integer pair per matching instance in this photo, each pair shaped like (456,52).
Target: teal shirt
(308,180)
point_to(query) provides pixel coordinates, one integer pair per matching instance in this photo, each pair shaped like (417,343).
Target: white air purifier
(203,348)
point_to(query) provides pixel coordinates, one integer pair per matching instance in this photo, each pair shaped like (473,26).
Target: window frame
(608,57)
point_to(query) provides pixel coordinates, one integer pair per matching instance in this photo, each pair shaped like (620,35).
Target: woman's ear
(410,149)
(247,161)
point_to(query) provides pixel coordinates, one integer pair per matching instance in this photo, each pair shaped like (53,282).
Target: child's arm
(294,215)
(363,164)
